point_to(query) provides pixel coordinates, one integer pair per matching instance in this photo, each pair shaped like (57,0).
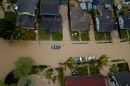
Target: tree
(102,61)
(113,69)
(23,66)
(12,1)
(1,83)
(8,30)
(1,5)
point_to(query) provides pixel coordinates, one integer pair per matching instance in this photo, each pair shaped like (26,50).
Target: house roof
(79,21)
(106,1)
(27,6)
(85,0)
(126,23)
(49,7)
(123,78)
(25,21)
(106,20)
(52,24)
(85,81)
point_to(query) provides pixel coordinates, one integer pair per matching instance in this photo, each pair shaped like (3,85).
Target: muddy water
(43,54)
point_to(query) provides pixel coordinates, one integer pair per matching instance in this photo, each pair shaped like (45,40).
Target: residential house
(85,81)
(105,21)
(122,78)
(51,19)
(26,13)
(105,1)
(79,21)
(124,21)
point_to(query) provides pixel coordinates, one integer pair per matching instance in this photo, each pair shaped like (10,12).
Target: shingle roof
(49,7)
(27,6)
(85,81)
(79,21)
(52,24)
(106,1)
(123,78)
(25,21)
(126,20)
(106,20)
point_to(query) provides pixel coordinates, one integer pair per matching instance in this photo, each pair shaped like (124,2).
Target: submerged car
(55,47)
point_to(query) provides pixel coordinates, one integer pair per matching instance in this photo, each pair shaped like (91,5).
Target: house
(26,13)
(105,1)
(85,81)
(122,78)
(52,24)
(85,1)
(49,7)
(126,1)
(51,18)
(105,21)
(79,21)
(124,22)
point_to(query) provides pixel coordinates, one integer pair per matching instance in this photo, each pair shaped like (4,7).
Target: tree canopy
(23,66)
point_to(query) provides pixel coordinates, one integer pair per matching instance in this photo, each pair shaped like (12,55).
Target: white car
(78,59)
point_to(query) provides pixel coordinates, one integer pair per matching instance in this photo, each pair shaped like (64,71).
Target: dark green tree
(1,83)
(23,66)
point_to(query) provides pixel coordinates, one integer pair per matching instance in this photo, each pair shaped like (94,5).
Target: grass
(61,76)
(82,70)
(74,36)
(99,36)
(94,70)
(85,36)
(43,35)
(29,35)
(123,34)
(57,36)
(108,35)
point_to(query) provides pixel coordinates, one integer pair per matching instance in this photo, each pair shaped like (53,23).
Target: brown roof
(85,81)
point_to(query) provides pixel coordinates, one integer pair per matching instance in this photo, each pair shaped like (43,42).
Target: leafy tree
(113,69)
(1,83)
(12,1)
(102,61)
(23,66)
(8,30)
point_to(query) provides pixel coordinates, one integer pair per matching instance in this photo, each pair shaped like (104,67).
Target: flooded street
(43,54)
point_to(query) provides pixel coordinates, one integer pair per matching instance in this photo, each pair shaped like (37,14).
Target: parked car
(78,59)
(55,46)
(73,72)
(89,58)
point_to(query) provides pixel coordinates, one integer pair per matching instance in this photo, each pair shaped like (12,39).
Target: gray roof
(79,21)
(25,21)
(106,20)
(27,6)
(123,78)
(49,7)
(106,1)
(126,19)
(52,24)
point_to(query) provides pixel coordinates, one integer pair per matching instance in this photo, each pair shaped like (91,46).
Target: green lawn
(82,70)
(74,36)
(29,35)
(85,36)
(43,35)
(108,35)
(99,36)
(57,36)
(123,34)
(94,70)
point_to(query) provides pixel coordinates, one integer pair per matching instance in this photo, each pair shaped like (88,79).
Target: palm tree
(102,61)
(1,5)
(70,63)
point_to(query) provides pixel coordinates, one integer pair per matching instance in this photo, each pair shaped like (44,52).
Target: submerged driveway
(43,54)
